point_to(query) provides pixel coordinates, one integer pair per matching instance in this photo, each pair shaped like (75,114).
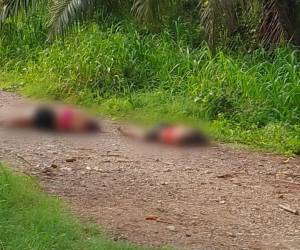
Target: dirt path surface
(215,198)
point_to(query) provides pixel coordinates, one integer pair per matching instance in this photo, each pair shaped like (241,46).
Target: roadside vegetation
(239,78)
(29,219)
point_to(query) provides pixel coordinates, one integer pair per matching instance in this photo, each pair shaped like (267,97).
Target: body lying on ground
(169,135)
(52,118)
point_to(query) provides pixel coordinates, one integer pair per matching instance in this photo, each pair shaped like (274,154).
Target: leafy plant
(278,21)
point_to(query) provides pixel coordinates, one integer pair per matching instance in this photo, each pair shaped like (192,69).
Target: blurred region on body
(51,118)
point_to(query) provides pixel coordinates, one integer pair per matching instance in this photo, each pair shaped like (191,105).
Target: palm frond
(11,8)
(150,10)
(230,9)
(221,16)
(211,17)
(64,12)
(277,24)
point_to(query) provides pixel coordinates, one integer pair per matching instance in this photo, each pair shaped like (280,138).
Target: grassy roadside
(149,108)
(29,219)
(249,98)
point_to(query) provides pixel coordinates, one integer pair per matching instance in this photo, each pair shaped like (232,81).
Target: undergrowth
(251,98)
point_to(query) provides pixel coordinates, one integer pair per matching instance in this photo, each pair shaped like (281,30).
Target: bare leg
(18,122)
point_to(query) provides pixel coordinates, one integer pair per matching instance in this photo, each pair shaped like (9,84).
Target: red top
(65,119)
(168,135)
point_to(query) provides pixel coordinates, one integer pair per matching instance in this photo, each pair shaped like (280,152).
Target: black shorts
(195,138)
(44,118)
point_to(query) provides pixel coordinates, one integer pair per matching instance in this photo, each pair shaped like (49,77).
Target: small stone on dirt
(88,168)
(232,235)
(71,160)
(171,228)
(194,223)
(53,165)
(225,176)
(280,196)
(66,169)
(48,171)
(152,217)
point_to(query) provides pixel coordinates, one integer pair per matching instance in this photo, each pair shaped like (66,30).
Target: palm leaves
(11,8)
(221,16)
(278,21)
(217,16)
(62,13)
(150,10)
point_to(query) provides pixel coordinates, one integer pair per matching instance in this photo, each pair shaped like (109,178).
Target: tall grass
(251,98)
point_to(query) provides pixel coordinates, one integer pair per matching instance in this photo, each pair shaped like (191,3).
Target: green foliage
(221,19)
(31,220)
(252,98)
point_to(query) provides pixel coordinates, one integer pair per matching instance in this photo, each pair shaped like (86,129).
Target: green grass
(125,72)
(29,219)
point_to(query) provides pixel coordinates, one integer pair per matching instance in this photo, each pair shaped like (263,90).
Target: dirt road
(215,198)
